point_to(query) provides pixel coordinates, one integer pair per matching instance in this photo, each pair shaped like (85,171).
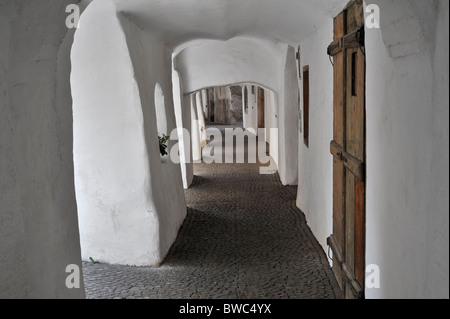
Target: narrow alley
(243,238)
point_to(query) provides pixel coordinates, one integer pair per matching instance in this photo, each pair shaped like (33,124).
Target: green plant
(93,261)
(163,144)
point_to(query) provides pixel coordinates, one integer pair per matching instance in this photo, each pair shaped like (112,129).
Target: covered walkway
(353,97)
(243,238)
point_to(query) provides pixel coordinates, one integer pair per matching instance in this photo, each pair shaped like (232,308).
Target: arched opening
(223,105)
(228,104)
(160,110)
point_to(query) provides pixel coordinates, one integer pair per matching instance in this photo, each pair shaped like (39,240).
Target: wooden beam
(337,254)
(351,40)
(354,165)
(335,47)
(354,39)
(354,285)
(351,163)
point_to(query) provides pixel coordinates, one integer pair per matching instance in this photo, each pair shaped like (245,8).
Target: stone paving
(243,238)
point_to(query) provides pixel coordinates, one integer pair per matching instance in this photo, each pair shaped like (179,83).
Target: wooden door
(349,150)
(261,108)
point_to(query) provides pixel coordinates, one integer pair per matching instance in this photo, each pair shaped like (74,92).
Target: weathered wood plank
(355,101)
(354,165)
(355,16)
(339,203)
(337,260)
(350,221)
(354,289)
(348,149)
(336,149)
(352,40)
(335,47)
(339,99)
(360,236)
(339,137)
(339,26)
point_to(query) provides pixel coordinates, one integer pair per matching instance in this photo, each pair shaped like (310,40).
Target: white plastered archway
(130,204)
(269,64)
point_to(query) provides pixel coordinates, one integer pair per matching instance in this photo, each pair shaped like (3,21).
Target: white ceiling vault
(180,21)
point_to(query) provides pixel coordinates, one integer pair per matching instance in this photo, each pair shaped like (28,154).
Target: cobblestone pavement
(243,238)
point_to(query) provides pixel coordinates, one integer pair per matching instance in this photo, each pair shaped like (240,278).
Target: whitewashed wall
(216,63)
(288,121)
(196,144)
(271,121)
(130,202)
(183,121)
(152,64)
(407,162)
(38,212)
(250,60)
(315,177)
